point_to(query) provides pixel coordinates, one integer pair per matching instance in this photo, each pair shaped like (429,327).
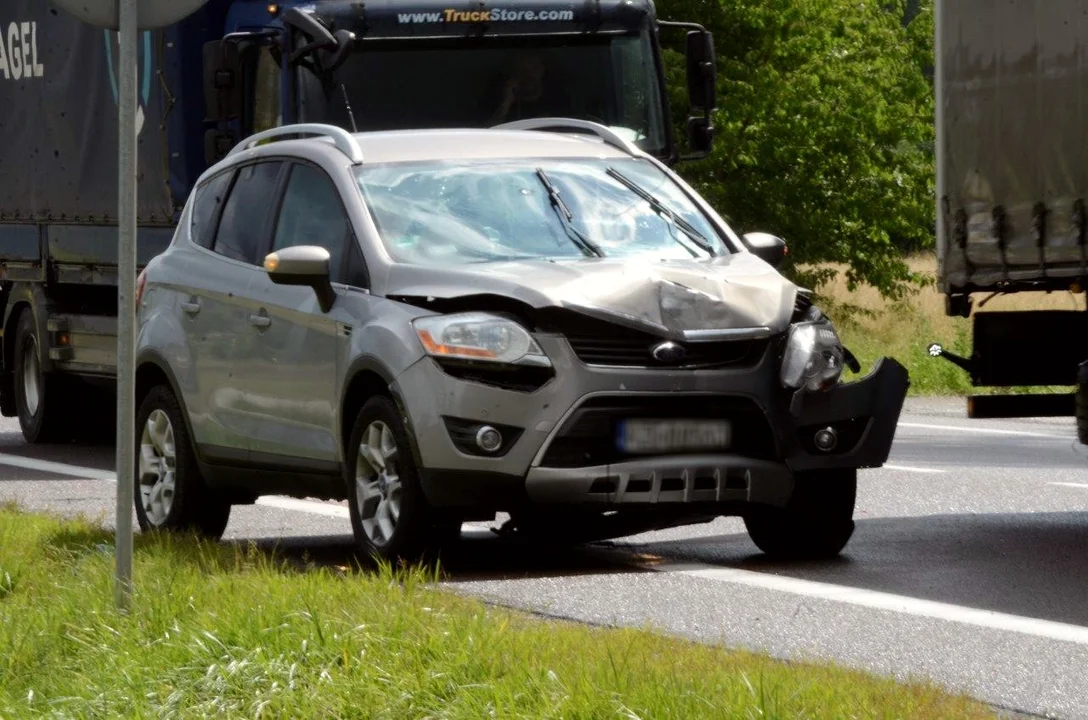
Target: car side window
(206,203)
(312,214)
(242,227)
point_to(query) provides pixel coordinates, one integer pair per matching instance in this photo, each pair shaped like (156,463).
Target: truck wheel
(1080,398)
(390,517)
(38,396)
(815,524)
(170,493)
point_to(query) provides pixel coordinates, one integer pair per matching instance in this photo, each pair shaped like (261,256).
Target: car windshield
(442,212)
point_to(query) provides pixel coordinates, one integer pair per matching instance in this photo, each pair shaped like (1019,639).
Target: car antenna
(347,104)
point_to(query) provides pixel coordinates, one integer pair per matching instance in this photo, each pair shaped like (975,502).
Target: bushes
(824,128)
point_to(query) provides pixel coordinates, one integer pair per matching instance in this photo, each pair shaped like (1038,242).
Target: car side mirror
(770,248)
(303,265)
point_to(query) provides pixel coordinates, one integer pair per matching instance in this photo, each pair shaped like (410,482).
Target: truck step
(1021,406)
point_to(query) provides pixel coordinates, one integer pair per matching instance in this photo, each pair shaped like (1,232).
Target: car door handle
(191,308)
(261,321)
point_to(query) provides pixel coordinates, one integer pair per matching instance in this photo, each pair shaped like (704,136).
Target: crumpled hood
(735,295)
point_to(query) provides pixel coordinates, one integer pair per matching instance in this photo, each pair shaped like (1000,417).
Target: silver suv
(537,319)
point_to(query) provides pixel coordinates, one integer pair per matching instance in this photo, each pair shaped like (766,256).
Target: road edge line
(879,600)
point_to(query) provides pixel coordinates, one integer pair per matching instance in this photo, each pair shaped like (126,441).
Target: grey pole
(128,17)
(126,288)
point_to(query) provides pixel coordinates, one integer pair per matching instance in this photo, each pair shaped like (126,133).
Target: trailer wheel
(170,493)
(38,396)
(815,524)
(1081,403)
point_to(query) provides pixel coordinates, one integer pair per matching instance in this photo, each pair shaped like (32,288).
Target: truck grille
(587,437)
(602,343)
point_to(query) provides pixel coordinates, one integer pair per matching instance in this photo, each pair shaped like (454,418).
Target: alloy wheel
(158,467)
(377,483)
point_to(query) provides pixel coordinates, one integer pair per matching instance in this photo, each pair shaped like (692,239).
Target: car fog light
(488,439)
(826,439)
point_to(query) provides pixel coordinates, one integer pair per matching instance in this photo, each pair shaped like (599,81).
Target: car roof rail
(343,140)
(560,124)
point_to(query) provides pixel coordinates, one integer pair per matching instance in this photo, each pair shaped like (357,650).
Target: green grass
(873,327)
(218,630)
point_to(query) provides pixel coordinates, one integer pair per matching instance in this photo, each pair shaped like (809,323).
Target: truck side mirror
(700,136)
(345,43)
(222,81)
(702,70)
(217,143)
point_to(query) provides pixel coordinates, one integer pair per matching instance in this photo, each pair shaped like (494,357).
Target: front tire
(390,516)
(170,493)
(815,524)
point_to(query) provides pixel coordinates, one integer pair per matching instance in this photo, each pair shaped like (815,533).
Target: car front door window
(312,214)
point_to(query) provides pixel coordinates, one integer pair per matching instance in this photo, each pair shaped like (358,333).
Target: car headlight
(478,336)
(813,358)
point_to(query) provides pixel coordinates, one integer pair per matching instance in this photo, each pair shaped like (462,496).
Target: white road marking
(85,473)
(1069,484)
(59,468)
(903,604)
(308,506)
(986,431)
(911,468)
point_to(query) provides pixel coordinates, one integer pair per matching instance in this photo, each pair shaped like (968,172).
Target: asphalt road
(969,566)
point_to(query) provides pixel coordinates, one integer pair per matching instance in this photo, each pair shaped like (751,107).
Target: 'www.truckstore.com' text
(494,15)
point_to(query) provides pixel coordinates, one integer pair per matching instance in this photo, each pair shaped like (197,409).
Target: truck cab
(434,64)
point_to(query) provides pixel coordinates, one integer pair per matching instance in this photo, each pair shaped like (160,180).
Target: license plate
(655,436)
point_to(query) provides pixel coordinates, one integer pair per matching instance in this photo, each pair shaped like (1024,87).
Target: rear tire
(390,517)
(1080,397)
(170,493)
(38,396)
(816,523)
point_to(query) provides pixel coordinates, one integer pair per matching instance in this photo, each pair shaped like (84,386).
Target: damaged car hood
(732,296)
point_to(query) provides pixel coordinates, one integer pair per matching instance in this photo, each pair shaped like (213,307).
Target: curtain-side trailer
(1011,84)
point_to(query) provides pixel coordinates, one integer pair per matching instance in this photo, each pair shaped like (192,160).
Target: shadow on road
(1030,564)
(99,456)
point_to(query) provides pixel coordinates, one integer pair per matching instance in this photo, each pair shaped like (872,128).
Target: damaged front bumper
(861,415)
(562,435)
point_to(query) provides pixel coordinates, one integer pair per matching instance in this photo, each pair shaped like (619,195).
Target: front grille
(587,437)
(596,342)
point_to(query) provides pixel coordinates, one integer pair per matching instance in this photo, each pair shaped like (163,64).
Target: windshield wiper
(565,215)
(666,214)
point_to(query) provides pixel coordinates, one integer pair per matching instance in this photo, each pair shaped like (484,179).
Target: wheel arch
(152,370)
(367,377)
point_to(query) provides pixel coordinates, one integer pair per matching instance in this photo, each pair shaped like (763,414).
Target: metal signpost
(128,17)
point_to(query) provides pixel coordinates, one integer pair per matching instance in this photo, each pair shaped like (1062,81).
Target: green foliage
(824,128)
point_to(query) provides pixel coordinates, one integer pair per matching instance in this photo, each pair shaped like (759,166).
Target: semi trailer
(237,67)
(1011,87)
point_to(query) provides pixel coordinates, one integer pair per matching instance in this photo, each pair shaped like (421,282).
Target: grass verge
(220,630)
(873,327)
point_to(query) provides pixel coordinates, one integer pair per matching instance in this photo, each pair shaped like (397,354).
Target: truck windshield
(462,211)
(440,84)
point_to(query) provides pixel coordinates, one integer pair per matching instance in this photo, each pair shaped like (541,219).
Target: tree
(824,128)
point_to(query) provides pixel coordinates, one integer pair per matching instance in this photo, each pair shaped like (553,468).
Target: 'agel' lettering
(19,51)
